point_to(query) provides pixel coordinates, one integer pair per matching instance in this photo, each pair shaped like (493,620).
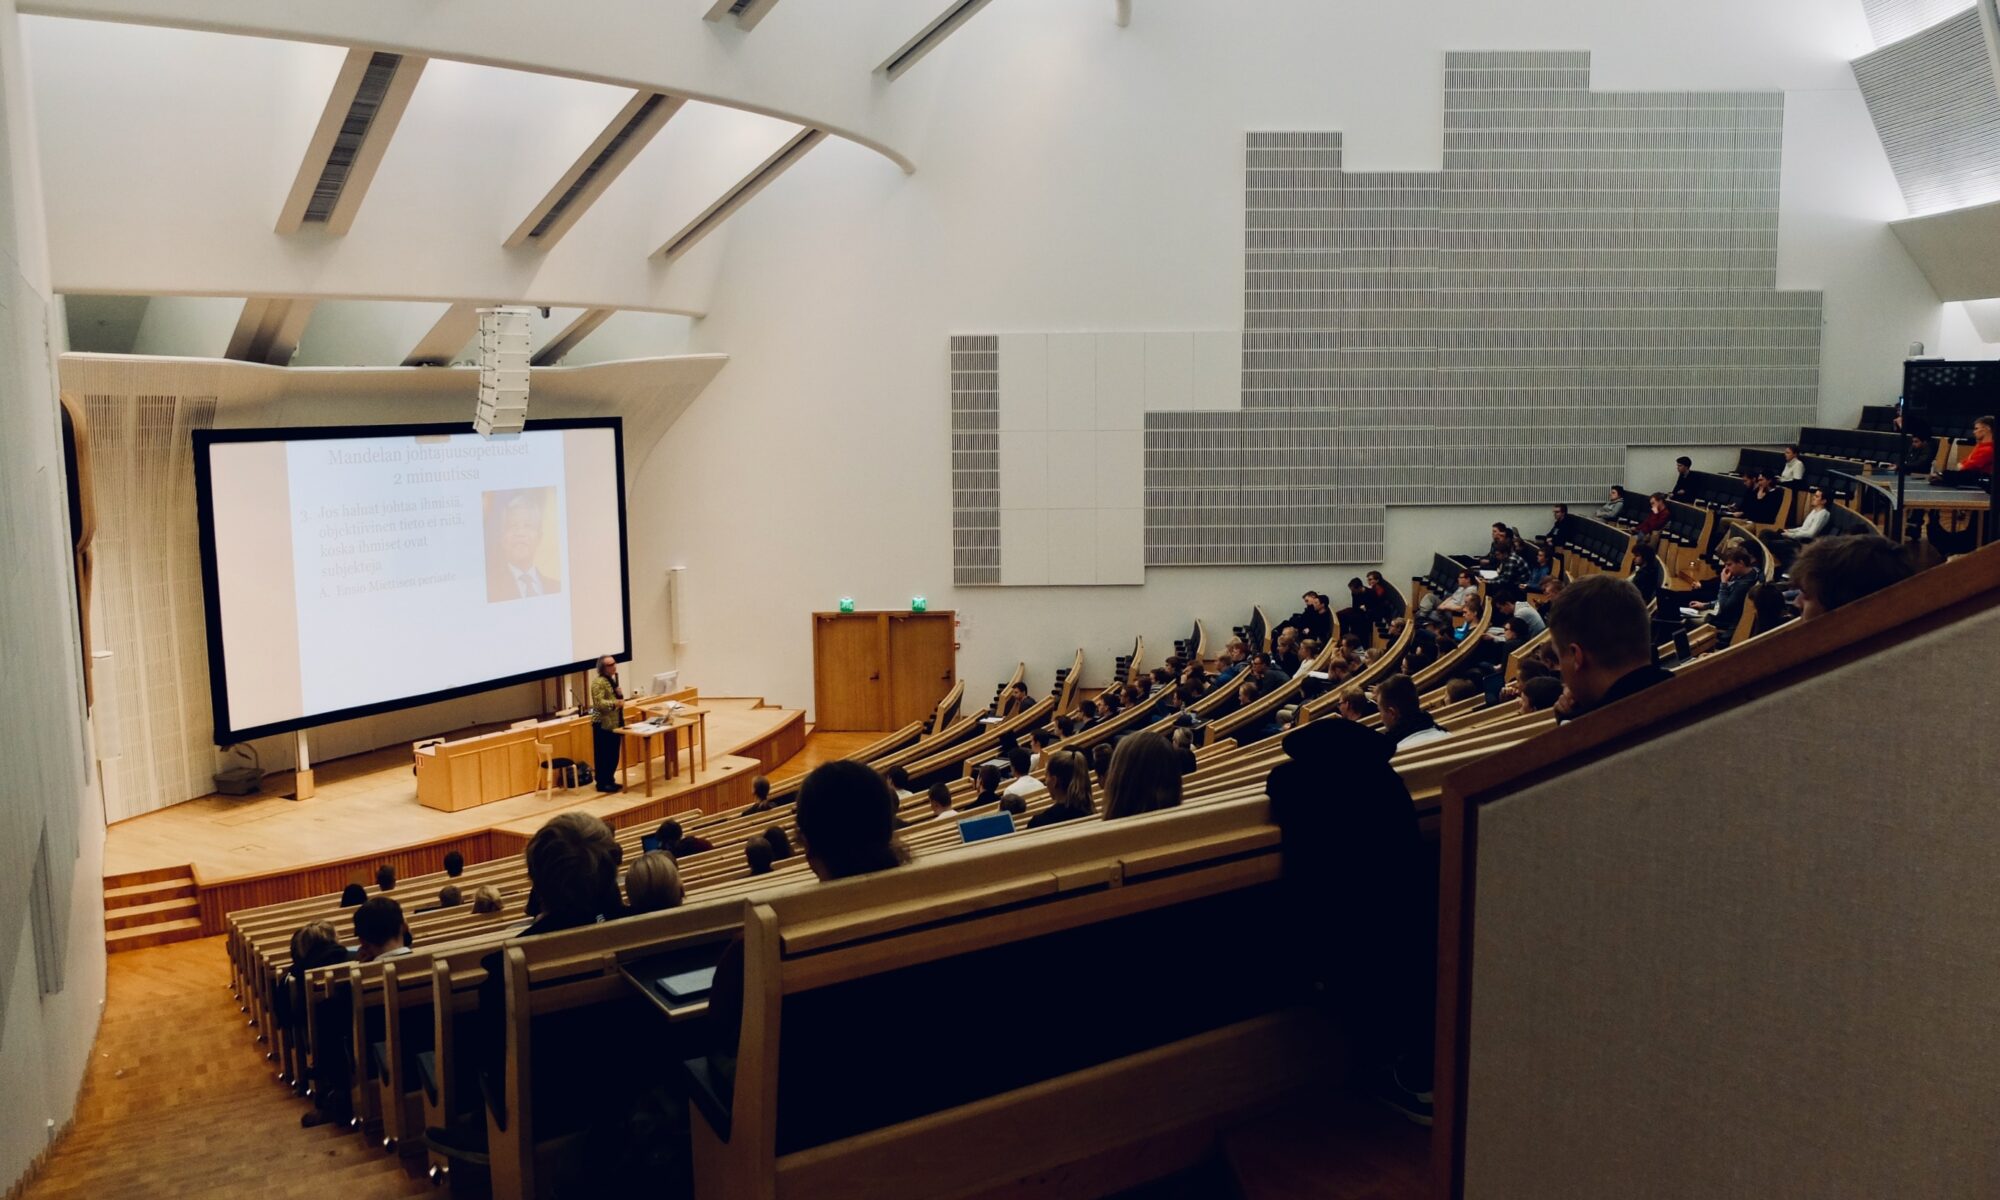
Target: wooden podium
(494,766)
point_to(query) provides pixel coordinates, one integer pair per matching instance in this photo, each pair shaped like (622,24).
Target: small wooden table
(668,730)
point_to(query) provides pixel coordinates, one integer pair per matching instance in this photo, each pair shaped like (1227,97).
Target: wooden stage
(243,851)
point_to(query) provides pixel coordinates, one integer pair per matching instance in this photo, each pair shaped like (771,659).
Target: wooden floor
(824,748)
(365,804)
(179,1102)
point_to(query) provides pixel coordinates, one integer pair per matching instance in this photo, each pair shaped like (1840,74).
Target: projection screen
(352,570)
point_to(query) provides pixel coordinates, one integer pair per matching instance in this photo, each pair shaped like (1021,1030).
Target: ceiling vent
(736,197)
(643,116)
(947,23)
(367,101)
(746,13)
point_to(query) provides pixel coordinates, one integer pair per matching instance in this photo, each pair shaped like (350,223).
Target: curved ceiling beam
(738,196)
(812,68)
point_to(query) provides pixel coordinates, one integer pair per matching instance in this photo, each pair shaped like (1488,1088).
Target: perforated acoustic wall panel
(148,589)
(1589,271)
(975,459)
(1894,20)
(1934,103)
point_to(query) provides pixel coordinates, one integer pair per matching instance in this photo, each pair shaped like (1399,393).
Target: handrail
(1932,600)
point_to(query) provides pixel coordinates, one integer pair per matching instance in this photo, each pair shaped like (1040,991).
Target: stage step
(132,916)
(136,894)
(181,930)
(150,908)
(150,875)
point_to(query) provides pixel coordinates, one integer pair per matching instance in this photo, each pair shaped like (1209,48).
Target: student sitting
(1285,655)
(1767,600)
(1263,726)
(1976,468)
(1404,722)
(454,863)
(486,899)
(1837,571)
(1656,516)
(449,896)
(1069,784)
(1087,714)
(1558,526)
(758,855)
(353,895)
(1454,603)
(317,944)
(1612,508)
(1508,604)
(1013,701)
(1509,567)
(1145,776)
(1540,693)
(1354,706)
(1683,489)
(1739,575)
(899,780)
(1385,604)
(940,797)
(1183,740)
(680,845)
(1785,544)
(1794,470)
(1760,505)
(988,778)
(385,878)
(779,841)
(379,930)
(653,883)
(1603,639)
(1045,737)
(1540,565)
(1100,761)
(846,822)
(1024,784)
(760,791)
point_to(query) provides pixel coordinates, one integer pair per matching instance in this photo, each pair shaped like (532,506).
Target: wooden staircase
(150,908)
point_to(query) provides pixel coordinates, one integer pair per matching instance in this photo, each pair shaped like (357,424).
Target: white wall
(1079,177)
(45,788)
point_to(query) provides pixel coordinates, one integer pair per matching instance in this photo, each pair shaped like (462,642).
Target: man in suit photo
(514,524)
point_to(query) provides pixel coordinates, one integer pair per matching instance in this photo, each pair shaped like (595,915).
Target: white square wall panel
(1169,372)
(1121,380)
(1072,374)
(1024,547)
(1218,371)
(1121,468)
(1072,480)
(1024,470)
(1024,381)
(1121,545)
(1072,546)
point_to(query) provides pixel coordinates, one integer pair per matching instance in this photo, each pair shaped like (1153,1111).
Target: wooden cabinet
(880,670)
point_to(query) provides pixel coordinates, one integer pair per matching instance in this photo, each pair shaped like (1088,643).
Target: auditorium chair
(1091,908)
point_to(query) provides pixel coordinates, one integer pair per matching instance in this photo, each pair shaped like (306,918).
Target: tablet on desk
(1690,612)
(1489,576)
(686,986)
(649,843)
(978,829)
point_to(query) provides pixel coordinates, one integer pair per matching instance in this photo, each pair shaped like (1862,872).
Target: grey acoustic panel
(1587,271)
(975,459)
(1894,20)
(1935,106)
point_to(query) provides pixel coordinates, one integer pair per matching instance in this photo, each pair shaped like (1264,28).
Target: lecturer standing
(607,714)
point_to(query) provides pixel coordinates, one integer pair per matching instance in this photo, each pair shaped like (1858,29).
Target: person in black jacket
(1603,639)
(1739,575)
(1363,891)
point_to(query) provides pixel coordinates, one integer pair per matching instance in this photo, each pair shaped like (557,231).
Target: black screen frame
(226,734)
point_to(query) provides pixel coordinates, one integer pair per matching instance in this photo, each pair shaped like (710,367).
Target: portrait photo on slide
(523,554)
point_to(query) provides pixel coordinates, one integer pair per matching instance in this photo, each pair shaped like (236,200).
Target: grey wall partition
(1588,271)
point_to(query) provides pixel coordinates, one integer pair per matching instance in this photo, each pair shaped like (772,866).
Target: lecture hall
(999,599)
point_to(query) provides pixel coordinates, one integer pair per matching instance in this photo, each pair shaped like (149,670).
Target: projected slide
(356,570)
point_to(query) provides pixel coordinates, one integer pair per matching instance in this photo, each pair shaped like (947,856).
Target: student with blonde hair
(653,883)
(486,899)
(1069,783)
